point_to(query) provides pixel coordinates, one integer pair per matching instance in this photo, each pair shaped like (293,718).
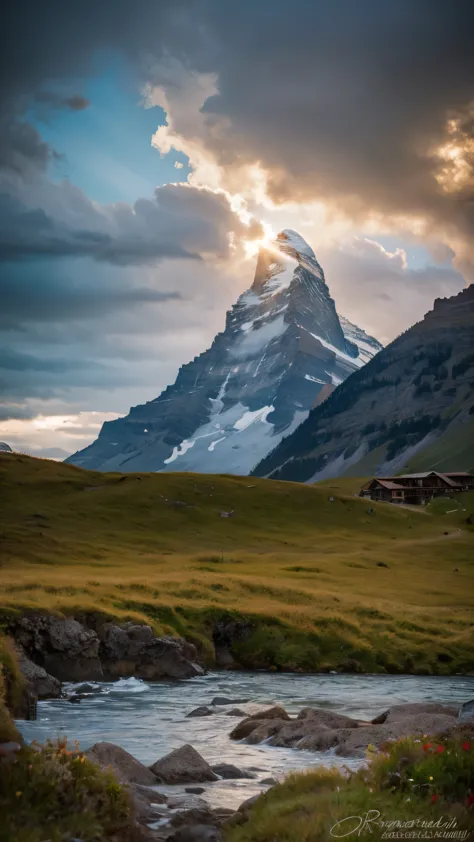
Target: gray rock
(235,712)
(133,649)
(269,782)
(223,700)
(466,712)
(126,768)
(183,765)
(194,790)
(229,771)
(40,683)
(202,710)
(327,718)
(251,723)
(63,647)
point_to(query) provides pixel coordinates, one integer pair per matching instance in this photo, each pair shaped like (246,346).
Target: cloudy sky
(148,148)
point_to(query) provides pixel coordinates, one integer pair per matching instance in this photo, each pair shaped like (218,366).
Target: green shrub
(53,794)
(409,783)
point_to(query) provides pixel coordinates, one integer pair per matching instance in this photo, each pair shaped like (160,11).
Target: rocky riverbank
(53,649)
(188,817)
(318,729)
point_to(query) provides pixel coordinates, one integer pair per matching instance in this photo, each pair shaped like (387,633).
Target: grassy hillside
(324,583)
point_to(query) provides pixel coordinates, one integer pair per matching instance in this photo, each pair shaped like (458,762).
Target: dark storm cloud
(181,222)
(75,102)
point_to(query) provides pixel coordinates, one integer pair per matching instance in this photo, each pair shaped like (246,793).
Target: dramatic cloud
(350,120)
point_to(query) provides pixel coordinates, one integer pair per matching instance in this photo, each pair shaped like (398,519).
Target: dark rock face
(57,649)
(397,405)
(225,634)
(65,648)
(284,349)
(40,684)
(184,765)
(134,650)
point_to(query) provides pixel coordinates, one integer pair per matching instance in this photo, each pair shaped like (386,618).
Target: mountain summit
(283,351)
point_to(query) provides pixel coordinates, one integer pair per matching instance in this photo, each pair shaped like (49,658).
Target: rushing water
(149,719)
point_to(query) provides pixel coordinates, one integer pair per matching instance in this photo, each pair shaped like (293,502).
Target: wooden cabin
(417,489)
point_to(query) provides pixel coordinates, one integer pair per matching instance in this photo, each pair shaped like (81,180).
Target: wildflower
(434,798)
(440,749)
(470,800)
(431,777)
(466,746)
(417,741)
(426,746)
(18,793)
(371,747)
(411,780)
(370,789)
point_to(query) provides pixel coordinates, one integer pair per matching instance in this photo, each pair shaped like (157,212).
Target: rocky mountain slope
(284,350)
(412,406)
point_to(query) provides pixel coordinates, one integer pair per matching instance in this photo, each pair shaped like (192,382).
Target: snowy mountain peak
(284,350)
(289,239)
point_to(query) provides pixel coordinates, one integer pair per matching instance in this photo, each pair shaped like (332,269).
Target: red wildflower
(434,798)
(440,749)
(466,746)
(470,800)
(426,746)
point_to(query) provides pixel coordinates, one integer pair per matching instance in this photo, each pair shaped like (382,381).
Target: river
(149,719)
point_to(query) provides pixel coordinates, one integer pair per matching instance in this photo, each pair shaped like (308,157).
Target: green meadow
(323,582)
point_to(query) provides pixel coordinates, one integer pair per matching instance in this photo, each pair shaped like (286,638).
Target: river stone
(235,712)
(183,765)
(202,710)
(244,729)
(354,742)
(40,683)
(229,771)
(326,718)
(65,648)
(223,700)
(133,650)
(397,712)
(125,767)
(466,712)
(274,712)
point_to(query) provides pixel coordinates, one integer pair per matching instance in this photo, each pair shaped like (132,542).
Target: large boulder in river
(251,723)
(133,649)
(398,712)
(181,766)
(40,684)
(126,768)
(321,717)
(65,648)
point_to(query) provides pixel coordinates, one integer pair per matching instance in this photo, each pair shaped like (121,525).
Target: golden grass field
(303,568)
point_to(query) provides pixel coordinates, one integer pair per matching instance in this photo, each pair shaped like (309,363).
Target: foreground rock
(183,765)
(276,714)
(318,729)
(126,768)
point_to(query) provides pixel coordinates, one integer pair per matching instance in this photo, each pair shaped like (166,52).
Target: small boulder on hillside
(126,768)
(183,765)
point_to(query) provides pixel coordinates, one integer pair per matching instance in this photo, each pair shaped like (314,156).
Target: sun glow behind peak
(252,247)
